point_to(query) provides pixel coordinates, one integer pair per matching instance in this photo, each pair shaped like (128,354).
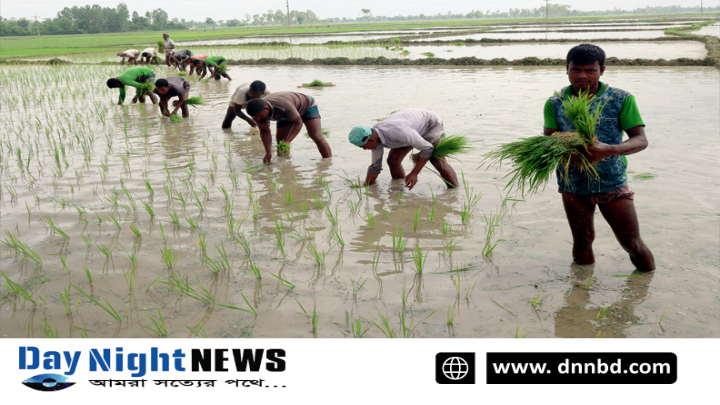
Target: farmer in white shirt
(149,55)
(244,93)
(401,132)
(169,47)
(131,54)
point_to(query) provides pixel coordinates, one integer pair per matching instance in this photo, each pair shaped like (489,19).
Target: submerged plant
(317,83)
(283,148)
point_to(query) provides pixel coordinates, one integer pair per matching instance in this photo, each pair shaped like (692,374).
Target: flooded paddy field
(118,223)
(713,29)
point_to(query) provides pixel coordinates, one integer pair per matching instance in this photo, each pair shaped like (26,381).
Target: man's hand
(267,158)
(167,113)
(175,111)
(598,152)
(251,122)
(134,100)
(120,102)
(410,180)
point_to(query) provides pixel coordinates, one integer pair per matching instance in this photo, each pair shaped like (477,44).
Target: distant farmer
(213,63)
(178,58)
(131,54)
(290,110)
(168,47)
(580,191)
(173,86)
(149,55)
(244,93)
(189,62)
(401,132)
(134,77)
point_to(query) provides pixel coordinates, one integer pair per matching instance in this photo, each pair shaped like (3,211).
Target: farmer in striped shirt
(134,77)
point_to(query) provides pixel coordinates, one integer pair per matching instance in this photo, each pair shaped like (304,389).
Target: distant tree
(367,14)
(233,23)
(209,21)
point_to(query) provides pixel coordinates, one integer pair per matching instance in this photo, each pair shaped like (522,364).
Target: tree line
(96,19)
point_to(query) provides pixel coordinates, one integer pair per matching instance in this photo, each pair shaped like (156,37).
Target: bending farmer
(244,93)
(174,86)
(401,132)
(134,77)
(290,110)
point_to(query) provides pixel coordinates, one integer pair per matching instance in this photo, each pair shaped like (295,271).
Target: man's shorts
(313,113)
(606,198)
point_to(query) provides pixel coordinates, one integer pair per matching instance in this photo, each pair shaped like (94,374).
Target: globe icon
(455,368)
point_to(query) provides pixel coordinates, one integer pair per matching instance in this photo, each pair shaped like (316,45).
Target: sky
(225,10)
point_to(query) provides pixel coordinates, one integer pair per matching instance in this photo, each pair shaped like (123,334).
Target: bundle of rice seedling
(160,47)
(222,68)
(317,83)
(193,101)
(534,159)
(175,118)
(448,147)
(283,148)
(145,89)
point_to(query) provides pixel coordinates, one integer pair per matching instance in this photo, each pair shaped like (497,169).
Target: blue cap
(359,135)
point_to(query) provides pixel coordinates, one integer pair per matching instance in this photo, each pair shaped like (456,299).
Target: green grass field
(13,47)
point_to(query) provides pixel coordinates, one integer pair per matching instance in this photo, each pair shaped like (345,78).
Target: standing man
(149,55)
(212,62)
(134,77)
(244,93)
(131,54)
(173,86)
(168,47)
(290,110)
(582,192)
(401,132)
(178,58)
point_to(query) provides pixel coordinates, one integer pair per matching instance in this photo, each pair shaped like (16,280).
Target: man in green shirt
(212,62)
(581,192)
(134,77)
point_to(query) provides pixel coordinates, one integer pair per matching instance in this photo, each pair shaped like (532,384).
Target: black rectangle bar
(581,368)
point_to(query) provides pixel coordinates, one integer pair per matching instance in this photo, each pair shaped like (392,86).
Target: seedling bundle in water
(175,119)
(160,47)
(534,159)
(317,83)
(222,68)
(449,147)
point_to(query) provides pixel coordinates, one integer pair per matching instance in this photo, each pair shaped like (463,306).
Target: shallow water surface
(87,167)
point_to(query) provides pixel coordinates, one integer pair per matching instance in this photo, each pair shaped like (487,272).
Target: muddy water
(622,50)
(713,29)
(541,34)
(677,209)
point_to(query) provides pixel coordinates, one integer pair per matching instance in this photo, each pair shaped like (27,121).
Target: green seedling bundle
(534,159)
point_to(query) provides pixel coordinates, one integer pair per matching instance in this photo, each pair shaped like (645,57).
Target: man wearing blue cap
(401,132)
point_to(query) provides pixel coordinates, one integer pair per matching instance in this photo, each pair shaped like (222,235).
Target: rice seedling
(534,159)
(370,218)
(538,300)
(191,222)
(385,329)
(256,209)
(446,227)
(109,309)
(48,222)
(114,221)
(317,83)
(336,235)
(450,246)
(400,197)
(160,46)
(397,239)
(160,329)
(282,280)
(66,301)
(288,196)
(662,317)
(169,257)
(452,312)
(240,239)
(353,205)
(283,148)
(198,330)
(603,313)
(644,176)
(144,89)
(279,231)
(149,187)
(317,257)
(465,213)
(519,334)
(428,54)
(174,218)
(175,119)
(21,249)
(333,218)
(177,284)
(451,146)
(16,288)
(419,259)
(47,329)
(254,269)
(416,218)
(149,209)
